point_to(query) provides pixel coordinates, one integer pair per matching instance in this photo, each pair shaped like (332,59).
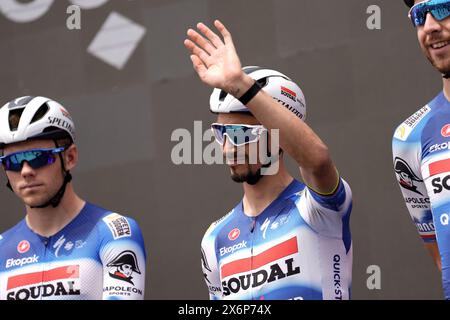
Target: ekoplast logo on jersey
(439,147)
(231,249)
(21,262)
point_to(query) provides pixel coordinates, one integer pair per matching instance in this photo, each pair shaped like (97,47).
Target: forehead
(237,118)
(28,145)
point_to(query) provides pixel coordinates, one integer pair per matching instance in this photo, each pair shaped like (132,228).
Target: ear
(71,157)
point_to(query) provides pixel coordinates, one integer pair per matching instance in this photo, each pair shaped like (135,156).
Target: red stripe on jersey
(439,167)
(60,273)
(279,251)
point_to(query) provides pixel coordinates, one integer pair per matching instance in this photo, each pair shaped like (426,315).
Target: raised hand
(215,60)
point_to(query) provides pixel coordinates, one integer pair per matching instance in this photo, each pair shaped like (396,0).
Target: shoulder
(8,237)
(411,128)
(214,229)
(111,224)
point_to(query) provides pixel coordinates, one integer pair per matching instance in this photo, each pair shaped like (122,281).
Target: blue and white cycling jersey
(299,247)
(98,255)
(422,164)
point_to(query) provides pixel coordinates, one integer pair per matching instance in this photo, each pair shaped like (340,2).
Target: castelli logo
(445,131)
(234,234)
(23,246)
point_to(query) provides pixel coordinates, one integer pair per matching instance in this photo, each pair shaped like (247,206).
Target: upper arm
(123,257)
(328,215)
(323,180)
(407,167)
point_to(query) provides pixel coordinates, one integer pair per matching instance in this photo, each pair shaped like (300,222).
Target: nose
(227,146)
(27,170)
(431,24)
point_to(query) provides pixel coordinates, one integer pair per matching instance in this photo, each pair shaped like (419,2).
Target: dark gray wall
(359,84)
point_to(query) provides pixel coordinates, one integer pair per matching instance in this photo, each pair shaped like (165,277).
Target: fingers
(210,35)
(201,41)
(198,65)
(224,32)
(196,50)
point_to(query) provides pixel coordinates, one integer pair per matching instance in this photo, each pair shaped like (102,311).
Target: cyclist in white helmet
(420,149)
(65,247)
(285,239)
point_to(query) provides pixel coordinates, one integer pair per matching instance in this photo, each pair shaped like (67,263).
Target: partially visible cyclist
(65,247)
(284,240)
(420,144)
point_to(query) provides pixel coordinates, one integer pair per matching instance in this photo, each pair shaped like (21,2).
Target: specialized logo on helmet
(234,234)
(406,176)
(125,264)
(65,113)
(23,246)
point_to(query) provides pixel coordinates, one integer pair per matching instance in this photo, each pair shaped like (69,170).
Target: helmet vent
(40,113)
(262,82)
(14,118)
(223,95)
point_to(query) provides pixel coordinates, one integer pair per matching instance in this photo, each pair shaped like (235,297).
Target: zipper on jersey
(252,233)
(46,242)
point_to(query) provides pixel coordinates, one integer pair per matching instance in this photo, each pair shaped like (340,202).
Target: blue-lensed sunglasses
(36,158)
(439,9)
(238,134)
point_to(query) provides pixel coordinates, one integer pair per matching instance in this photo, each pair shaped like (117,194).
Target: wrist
(240,85)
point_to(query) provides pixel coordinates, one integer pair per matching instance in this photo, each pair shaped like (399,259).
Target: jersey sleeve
(123,257)
(407,167)
(210,268)
(327,214)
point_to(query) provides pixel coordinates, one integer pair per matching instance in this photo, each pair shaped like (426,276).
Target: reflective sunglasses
(440,9)
(238,134)
(36,158)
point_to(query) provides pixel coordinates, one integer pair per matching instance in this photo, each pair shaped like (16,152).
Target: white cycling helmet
(276,84)
(38,118)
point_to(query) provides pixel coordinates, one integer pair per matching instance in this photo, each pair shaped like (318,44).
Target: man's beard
(443,69)
(249,177)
